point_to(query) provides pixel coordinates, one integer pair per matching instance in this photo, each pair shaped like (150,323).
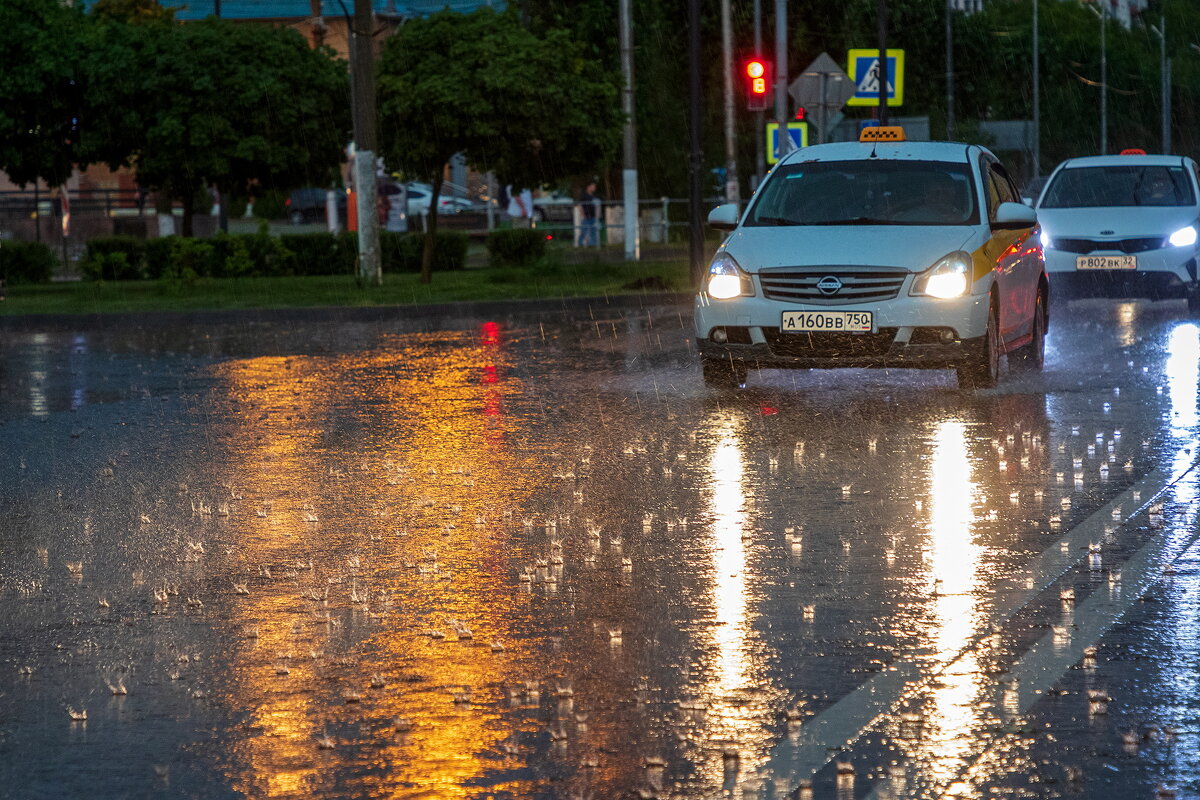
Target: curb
(340,313)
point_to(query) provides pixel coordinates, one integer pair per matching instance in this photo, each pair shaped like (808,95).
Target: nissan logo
(829,285)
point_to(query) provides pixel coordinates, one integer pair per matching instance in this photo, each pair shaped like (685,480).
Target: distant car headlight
(1184,237)
(948,278)
(726,279)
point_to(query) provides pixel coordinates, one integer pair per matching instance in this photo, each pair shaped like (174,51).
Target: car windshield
(867,192)
(1125,185)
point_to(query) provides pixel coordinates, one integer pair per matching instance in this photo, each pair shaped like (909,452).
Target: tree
(215,103)
(533,108)
(40,97)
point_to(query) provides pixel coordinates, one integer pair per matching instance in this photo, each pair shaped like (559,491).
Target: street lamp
(1165,66)
(1103,77)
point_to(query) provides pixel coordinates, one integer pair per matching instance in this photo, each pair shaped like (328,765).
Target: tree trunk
(431,232)
(189,208)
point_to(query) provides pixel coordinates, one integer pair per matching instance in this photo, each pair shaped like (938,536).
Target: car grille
(1085,246)
(830,345)
(859,284)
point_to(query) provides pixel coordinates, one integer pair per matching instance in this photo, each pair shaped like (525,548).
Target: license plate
(827,321)
(1106,262)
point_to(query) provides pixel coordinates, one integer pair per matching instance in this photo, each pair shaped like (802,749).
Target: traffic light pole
(633,242)
(881,13)
(760,159)
(732,195)
(781,76)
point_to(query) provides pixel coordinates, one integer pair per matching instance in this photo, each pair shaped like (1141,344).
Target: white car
(1123,226)
(419,196)
(876,253)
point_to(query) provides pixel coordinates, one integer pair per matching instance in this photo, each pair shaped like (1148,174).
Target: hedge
(401,252)
(26,262)
(322,253)
(114,258)
(516,246)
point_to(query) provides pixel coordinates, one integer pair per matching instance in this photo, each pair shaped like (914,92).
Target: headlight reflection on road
(1183,372)
(729,716)
(953,563)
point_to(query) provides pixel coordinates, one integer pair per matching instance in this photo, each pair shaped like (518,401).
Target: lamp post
(1165,68)
(1037,96)
(950,71)
(1103,77)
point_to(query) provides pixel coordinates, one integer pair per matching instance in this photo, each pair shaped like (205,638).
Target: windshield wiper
(856,221)
(774,221)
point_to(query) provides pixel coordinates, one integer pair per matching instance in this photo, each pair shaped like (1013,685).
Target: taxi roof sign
(1133,151)
(882,133)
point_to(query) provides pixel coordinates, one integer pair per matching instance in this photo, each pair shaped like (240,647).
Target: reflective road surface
(528,554)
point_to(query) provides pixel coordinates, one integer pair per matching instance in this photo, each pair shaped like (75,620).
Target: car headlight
(726,279)
(1184,237)
(950,277)
(1047,242)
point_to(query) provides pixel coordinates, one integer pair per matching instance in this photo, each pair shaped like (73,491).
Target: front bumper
(1160,275)
(916,332)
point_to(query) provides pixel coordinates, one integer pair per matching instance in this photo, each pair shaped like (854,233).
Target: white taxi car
(1123,226)
(876,253)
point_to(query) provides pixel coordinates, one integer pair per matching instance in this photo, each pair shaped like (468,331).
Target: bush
(231,257)
(401,252)
(26,262)
(518,247)
(271,204)
(114,258)
(321,253)
(267,253)
(158,255)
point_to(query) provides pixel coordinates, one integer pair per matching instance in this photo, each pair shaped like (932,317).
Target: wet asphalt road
(528,554)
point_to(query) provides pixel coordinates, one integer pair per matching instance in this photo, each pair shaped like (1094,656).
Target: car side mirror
(724,217)
(1014,215)
(1027,201)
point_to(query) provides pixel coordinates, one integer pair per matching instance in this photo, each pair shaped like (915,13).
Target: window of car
(1120,185)
(999,188)
(866,192)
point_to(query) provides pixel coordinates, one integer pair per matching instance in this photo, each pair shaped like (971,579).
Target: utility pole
(760,160)
(781,78)
(365,146)
(732,195)
(695,156)
(950,71)
(633,240)
(1165,80)
(1037,96)
(1103,82)
(881,13)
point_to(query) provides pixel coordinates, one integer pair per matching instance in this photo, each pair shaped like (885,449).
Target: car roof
(955,152)
(1121,161)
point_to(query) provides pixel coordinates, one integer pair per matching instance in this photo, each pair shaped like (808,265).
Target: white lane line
(800,756)
(1028,680)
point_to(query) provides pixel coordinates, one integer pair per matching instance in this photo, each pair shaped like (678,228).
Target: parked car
(554,207)
(308,205)
(876,253)
(1123,226)
(419,196)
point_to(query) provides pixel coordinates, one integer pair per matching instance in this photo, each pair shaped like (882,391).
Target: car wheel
(724,374)
(1032,357)
(1193,301)
(539,216)
(981,368)
(296,217)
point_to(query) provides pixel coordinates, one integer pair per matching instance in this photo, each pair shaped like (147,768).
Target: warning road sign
(864,71)
(778,147)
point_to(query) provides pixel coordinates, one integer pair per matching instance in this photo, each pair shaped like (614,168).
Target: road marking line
(1048,658)
(799,757)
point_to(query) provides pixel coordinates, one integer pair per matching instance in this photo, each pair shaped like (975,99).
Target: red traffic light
(801,113)
(758,86)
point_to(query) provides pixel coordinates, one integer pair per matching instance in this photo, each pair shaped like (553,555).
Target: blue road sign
(798,131)
(864,71)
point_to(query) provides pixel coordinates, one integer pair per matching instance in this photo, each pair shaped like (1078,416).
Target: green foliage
(41,89)
(270,204)
(157,256)
(267,253)
(133,11)
(25,262)
(479,84)
(321,253)
(203,103)
(114,258)
(401,252)
(516,246)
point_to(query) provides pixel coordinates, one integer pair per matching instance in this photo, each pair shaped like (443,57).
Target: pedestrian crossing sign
(863,68)
(797,132)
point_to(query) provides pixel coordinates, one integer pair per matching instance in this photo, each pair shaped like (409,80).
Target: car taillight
(287,202)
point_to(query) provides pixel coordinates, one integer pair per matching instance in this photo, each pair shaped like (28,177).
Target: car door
(1006,250)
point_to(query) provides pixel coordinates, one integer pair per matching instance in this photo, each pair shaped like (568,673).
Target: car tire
(296,217)
(1193,301)
(539,216)
(981,368)
(1032,357)
(724,374)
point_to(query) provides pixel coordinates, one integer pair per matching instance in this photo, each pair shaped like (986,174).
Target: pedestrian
(588,224)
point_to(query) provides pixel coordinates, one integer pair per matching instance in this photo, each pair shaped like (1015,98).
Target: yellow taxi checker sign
(863,68)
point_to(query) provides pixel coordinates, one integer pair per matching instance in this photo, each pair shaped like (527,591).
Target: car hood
(1123,222)
(915,248)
